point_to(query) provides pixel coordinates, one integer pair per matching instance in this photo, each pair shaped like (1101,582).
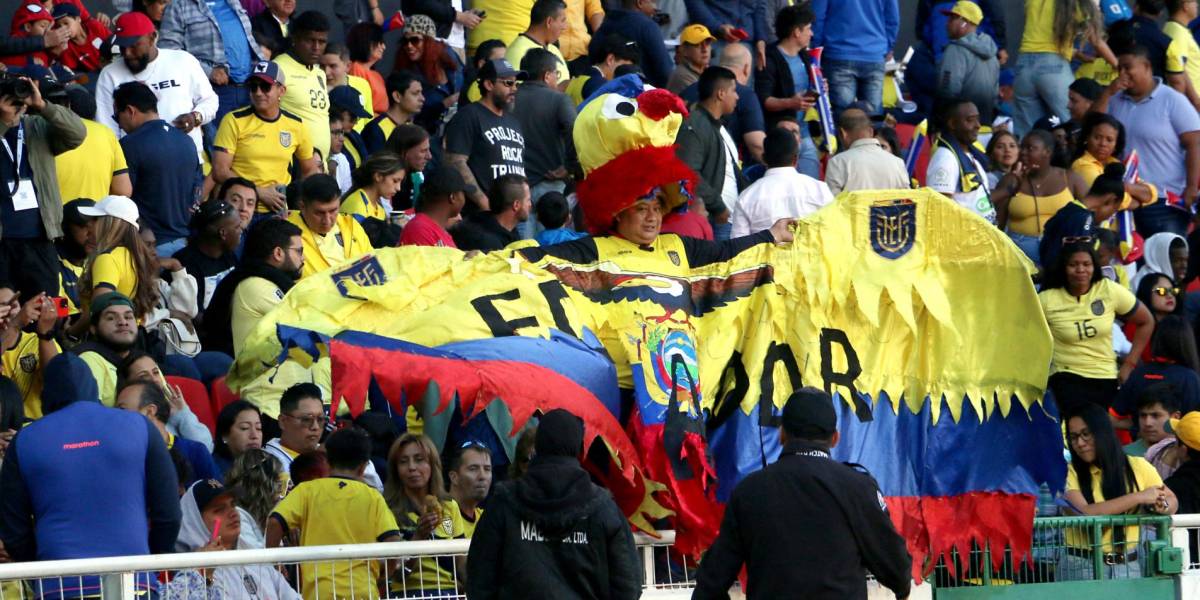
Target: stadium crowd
(172,170)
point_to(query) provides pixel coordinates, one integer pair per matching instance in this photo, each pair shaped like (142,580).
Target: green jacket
(47,134)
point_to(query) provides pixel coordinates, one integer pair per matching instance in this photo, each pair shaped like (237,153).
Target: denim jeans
(230,97)
(1081,568)
(1040,89)
(851,80)
(809,160)
(204,367)
(168,249)
(529,228)
(1028,244)
(721,231)
(1158,217)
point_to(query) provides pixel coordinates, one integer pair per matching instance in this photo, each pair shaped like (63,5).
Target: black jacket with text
(552,534)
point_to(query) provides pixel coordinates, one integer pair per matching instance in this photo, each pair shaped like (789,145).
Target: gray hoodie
(969,70)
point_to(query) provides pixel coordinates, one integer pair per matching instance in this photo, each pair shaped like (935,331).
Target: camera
(13,86)
(661,18)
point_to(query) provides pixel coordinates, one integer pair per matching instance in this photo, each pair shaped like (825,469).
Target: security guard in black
(807,526)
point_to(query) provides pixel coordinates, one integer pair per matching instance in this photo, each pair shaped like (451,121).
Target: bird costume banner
(919,316)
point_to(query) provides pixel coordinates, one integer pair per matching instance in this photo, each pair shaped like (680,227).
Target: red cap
(29,13)
(131,27)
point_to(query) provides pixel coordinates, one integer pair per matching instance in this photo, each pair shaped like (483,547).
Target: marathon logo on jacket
(531,533)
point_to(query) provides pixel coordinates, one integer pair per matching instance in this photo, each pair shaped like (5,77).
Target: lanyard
(16,160)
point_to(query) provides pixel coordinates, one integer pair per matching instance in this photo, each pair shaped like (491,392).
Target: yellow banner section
(899,291)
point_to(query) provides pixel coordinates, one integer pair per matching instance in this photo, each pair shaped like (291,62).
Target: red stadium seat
(197,399)
(222,396)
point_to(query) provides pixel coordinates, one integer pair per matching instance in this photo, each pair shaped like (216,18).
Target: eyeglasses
(259,86)
(309,421)
(413,41)
(509,83)
(472,444)
(1082,436)
(1166,291)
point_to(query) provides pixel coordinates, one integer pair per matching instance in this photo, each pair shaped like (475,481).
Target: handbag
(178,337)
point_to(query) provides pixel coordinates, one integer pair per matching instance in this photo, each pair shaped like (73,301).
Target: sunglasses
(1165,291)
(1077,239)
(413,41)
(259,86)
(508,83)
(472,444)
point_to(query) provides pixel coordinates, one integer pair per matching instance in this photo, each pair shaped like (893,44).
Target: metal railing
(418,569)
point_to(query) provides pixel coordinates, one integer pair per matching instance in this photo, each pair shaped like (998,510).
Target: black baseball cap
(65,9)
(809,414)
(207,490)
(443,181)
(499,68)
(71,214)
(349,98)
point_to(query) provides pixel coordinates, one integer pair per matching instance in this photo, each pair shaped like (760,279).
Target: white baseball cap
(120,207)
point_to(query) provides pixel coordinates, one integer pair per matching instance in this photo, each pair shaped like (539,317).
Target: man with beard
(114,331)
(484,139)
(185,97)
(73,249)
(271,262)
(470,472)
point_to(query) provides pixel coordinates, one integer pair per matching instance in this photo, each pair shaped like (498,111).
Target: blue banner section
(910,456)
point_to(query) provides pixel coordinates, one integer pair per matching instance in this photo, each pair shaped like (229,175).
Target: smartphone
(216,532)
(60,307)
(740,34)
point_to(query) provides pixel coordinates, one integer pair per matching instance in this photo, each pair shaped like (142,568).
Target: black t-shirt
(208,271)
(494,145)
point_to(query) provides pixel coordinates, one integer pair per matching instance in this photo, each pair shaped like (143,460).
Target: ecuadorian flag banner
(916,314)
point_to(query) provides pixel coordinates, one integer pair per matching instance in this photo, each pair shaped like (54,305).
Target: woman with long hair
(365,43)
(375,182)
(122,263)
(411,144)
(239,430)
(1171,358)
(256,481)
(1080,306)
(1033,191)
(439,67)
(1002,152)
(417,496)
(1043,71)
(1102,480)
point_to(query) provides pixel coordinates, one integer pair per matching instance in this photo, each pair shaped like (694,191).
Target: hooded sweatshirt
(1157,256)
(260,582)
(86,468)
(970,70)
(552,534)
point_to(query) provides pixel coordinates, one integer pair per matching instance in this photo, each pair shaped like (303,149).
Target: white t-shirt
(943,175)
(781,193)
(458,36)
(178,81)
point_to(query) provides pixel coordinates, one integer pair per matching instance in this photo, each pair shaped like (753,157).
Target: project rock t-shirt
(493,144)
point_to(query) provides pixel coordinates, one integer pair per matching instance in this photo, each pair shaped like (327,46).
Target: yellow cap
(966,9)
(695,35)
(1187,429)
